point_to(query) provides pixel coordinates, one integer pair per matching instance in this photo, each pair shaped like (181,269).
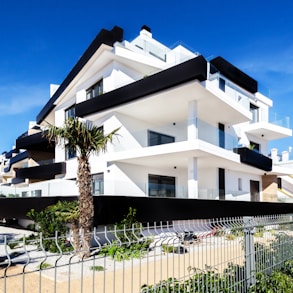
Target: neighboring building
(189,128)
(284,164)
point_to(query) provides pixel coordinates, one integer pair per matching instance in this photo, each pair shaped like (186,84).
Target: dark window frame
(161,186)
(70,152)
(95,90)
(70,112)
(254,110)
(98,179)
(159,137)
(222,84)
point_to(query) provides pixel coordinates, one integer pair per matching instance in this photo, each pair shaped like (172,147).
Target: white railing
(216,255)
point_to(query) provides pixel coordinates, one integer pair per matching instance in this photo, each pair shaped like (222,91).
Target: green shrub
(54,218)
(129,243)
(208,281)
(278,281)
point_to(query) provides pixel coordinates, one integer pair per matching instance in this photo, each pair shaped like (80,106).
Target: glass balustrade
(232,91)
(244,98)
(173,133)
(119,187)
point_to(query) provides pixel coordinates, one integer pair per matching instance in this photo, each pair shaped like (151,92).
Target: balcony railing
(62,187)
(44,172)
(263,115)
(236,93)
(206,132)
(254,158)
(276,119)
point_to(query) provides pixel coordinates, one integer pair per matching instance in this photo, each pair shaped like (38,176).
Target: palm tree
(86,139)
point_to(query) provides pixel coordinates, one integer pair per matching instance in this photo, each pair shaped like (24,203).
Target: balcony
(234,74)
(268,127)
(191,70)
(174,132)
(44,172)
(36,141)
(254,159)
(16,159)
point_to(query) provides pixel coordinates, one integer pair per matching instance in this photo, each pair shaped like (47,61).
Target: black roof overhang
(194,69)
(104,37)
(234,74)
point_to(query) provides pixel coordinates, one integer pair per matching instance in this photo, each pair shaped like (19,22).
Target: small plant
(259,231)
(219,231)
(97,268)
(206,281)
(18,242)
(31,227)
(44,266)
(231,236)
(129,243)
(13,244)
(168,248)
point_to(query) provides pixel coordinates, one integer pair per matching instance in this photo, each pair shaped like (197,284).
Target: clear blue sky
(42,40)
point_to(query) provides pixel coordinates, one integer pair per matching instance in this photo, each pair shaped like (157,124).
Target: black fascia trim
(104,37)
(19,157)
(36,141)
(255,159)
(234,74)
(9,154)
(42,172)
(195,68)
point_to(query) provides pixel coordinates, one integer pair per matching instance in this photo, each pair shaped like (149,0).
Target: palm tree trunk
(75,232)
(86,204)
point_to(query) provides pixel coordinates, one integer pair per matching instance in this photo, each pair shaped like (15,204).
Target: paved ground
(13,231)
(115,277)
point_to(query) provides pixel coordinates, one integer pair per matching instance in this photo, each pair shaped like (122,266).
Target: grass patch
(97,268)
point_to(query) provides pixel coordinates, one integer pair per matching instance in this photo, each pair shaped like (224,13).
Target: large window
(161,186)
(98,184)
(155,138)
(95,90)
(70,112)
(70,152)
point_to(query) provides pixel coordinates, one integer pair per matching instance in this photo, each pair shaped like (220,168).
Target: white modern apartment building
(189,127)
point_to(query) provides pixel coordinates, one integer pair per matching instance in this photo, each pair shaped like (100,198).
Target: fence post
(249,251)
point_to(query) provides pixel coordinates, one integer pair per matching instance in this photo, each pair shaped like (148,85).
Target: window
(239,184)
(70,112)
(36,193)
(95,90)
(155,138)
(254,110)
(98,184)
(221,128)
(222,84)
(161,186)
(70,152)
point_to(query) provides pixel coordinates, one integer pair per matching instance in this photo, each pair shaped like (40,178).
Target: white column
(192,178)
(192,120)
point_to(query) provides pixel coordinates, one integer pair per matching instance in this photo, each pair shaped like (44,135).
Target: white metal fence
(217,255)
